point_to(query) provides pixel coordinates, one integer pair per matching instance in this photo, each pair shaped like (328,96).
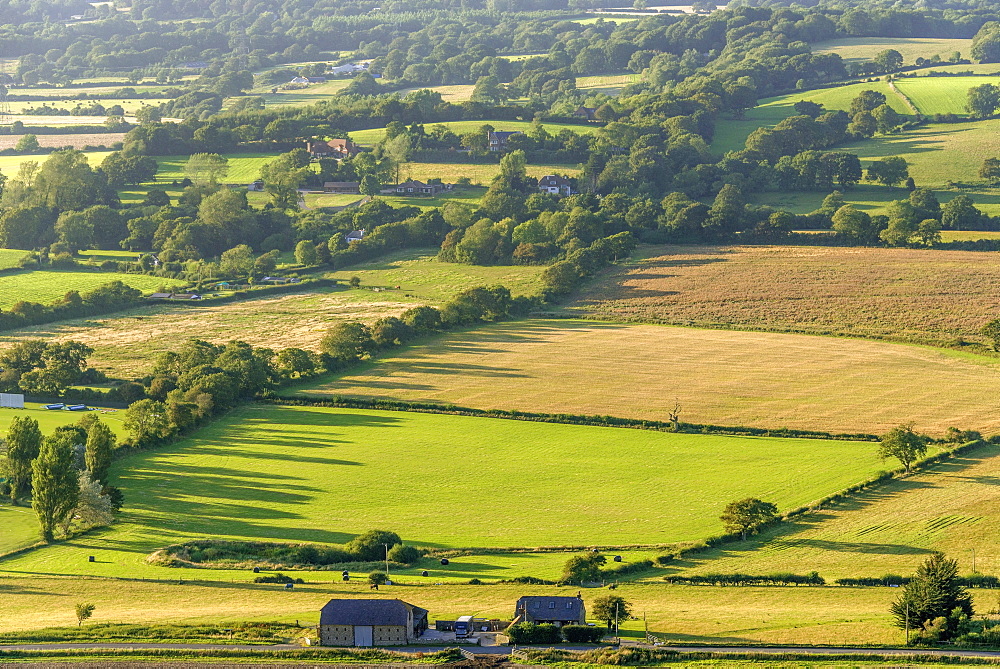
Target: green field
(951,508)
(470,196)
(731,135)
(127,342)
(47,286)
(20,528)
(10,257)
(609,84)
(722,377)
(244,168)
(303,96)
(375,135)
(941,95)
(324,475)
(866,48)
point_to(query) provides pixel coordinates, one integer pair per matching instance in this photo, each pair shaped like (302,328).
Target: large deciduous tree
(24,439)
(747,516)
(903,444)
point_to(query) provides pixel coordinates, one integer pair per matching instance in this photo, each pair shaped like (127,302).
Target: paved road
(504,650)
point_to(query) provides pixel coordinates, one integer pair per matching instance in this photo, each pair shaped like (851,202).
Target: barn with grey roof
(370,622)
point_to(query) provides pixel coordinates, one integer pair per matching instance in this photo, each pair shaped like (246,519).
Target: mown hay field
(244,168)
(322,475)
(941,95)
(10,257)
(760,379)
(680,613)
(927,296)
(47,286)
(76,140)
(126,343)
(952,507)
(453,93)
(911,48)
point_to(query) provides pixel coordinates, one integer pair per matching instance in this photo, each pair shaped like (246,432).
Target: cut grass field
(10,257)
(480,174)
(911,48)
(731,135)
(952,507)
(720,377)
(244,168)
(76,140)
(680,613)
(926,296)
(322,475)
(9,165)
(20,527)
(454,93)
(47,286)
(375,135)
(304,96)
(127,342)
(941,95)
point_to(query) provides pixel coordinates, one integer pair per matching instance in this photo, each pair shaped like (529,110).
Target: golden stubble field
(934,297)
(724,377)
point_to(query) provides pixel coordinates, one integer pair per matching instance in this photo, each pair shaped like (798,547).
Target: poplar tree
(97,456)
(55,484)
(24,438)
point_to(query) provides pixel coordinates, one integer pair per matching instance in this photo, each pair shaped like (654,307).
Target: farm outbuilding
(555,610)
(370,622)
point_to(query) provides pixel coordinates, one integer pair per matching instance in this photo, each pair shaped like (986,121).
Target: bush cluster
(812,578)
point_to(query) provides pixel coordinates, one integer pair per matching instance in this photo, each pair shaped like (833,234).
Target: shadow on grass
(786,535)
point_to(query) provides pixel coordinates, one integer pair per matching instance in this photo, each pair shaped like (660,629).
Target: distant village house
(588,113)
(355,236)
(334,148)
(498,139)
(555,185)
(370,622)
(414,187)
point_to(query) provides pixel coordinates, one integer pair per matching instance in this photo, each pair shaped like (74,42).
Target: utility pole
(907,623)
(617,638)
(386,561)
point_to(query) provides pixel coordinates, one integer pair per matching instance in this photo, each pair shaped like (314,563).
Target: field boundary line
(906,101)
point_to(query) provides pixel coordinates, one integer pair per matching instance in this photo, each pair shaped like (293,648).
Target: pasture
(302,96)
(375,135)
(452,93)
(244,168)
(925,296)
(127,342)
(680,613)
(722,377)
(10,257)
(911,48)
(46,286)
(609,84)
(941,95)
(322,475)
(731,135)
(952,507)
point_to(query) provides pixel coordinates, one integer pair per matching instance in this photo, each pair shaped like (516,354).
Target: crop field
(917,295)
(453,93)
(375,135)
(319,200)
(875,198)
(866,48)
(47,286)
(126,342)
(9,165)
(10,257)
(941,95)
(609,84)
(76,140)
(319,475)
(952,508)
(681,613)
(722,377)
(481,174)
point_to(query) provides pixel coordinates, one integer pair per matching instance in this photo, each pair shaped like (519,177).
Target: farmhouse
(355,236)
(555,184)
(370,622)
(334,148)
(414,187)
(348,187)
(588,113)
(556,610)
(498,139)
